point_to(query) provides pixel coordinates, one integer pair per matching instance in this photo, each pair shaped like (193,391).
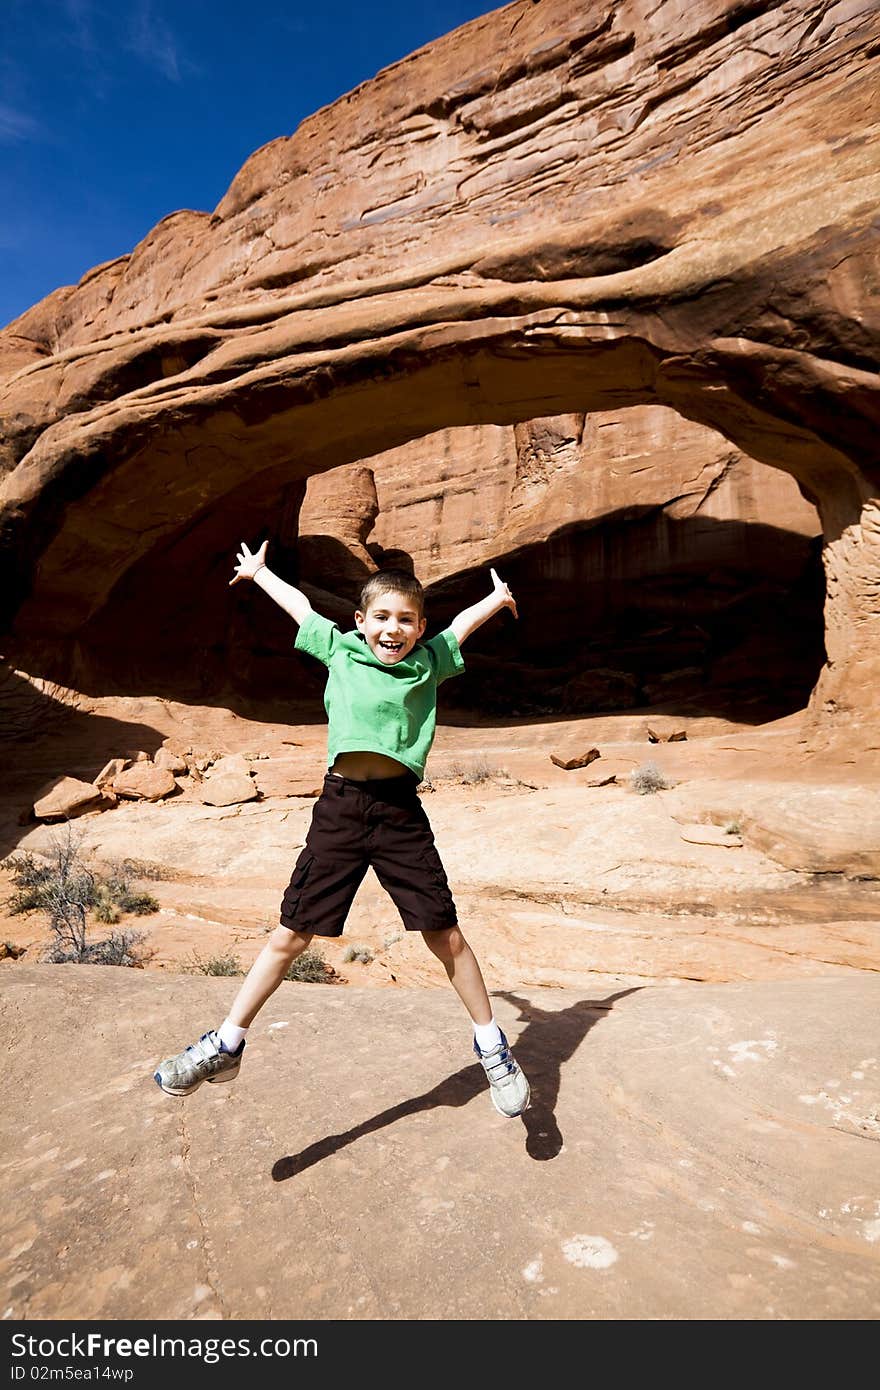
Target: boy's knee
(289,943)
(447,944)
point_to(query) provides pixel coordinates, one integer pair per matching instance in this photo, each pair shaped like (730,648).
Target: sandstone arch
(557,209)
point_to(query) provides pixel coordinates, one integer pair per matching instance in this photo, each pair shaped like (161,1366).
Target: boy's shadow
(549,1039)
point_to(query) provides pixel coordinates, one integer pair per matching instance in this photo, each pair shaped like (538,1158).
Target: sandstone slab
(575,760)
(814,829)
(143,781)
(714,1123)
(110,770)
(66,798)
(710,835)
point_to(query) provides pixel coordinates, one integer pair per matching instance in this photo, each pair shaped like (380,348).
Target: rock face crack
(212,1275)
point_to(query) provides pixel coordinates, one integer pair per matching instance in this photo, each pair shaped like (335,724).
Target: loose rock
(580,759)
(66,798)
(144,782)
(230,782)
(111,770)
(172,762)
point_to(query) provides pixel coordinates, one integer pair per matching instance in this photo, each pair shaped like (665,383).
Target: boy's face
(392,625)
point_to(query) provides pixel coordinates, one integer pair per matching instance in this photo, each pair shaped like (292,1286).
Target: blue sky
(114,113)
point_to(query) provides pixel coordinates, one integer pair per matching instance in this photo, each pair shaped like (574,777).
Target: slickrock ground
(560,213)
(699,1022)
(692,1152)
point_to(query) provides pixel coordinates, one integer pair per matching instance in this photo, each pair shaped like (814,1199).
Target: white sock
(230,1035)
(488,1035)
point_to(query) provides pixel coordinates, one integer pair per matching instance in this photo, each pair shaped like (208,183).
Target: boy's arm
(469,619)
(285,595)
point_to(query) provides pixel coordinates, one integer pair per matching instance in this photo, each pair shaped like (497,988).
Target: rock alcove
(559,212)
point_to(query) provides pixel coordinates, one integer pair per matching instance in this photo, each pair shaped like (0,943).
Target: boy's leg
(465,976)
(507,1082)
(266,974)
(210,1059)
(324,881)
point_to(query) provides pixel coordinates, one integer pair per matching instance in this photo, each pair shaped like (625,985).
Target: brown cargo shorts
(358,825)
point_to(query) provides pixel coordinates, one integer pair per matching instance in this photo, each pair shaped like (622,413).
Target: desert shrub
(139,869)
(119,890)
(119,948)
(478,771)
(104,908)
(63,887)
(214,965)
(361,953)
(733,827)
(138,904)
(311,968)
(648,778)
(30,878)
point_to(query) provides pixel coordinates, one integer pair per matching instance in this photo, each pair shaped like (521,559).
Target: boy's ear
(360,618)
(422,625)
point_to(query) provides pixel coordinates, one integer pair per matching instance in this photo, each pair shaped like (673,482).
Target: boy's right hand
(248,564)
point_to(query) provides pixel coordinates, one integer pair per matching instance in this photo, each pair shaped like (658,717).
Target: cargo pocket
(294,890)
(442,894)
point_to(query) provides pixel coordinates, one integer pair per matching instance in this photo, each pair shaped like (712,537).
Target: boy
(381,700)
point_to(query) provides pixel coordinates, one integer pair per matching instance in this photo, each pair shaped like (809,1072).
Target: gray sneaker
(201,1061)
(508,1086)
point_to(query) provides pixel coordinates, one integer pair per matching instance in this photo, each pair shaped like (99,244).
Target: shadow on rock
(549,1038)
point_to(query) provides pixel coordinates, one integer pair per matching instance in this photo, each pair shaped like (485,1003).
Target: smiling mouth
(391,646)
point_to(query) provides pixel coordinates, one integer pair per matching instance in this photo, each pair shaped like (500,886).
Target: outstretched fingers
(501,588)
(248,563)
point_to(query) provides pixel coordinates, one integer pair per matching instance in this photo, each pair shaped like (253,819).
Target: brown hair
(392,582)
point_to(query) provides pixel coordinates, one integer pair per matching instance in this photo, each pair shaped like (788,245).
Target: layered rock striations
(559,210)
(638,542)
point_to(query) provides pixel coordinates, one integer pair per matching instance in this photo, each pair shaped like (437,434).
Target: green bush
(311,968)
(61,885)
(215,965)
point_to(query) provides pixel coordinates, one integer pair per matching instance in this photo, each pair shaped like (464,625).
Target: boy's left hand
(502,592)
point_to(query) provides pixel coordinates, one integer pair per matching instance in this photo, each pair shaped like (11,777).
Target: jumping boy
(381,701)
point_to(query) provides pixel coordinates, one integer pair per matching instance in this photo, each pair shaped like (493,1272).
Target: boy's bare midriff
(367,767)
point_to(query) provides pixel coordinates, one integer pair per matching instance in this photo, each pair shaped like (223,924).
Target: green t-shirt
(373,708)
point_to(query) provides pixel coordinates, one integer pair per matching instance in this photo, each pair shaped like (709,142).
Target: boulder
(68,797)
(228,782)
(144,782)
(171,762)
(111,770)
(296,776)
